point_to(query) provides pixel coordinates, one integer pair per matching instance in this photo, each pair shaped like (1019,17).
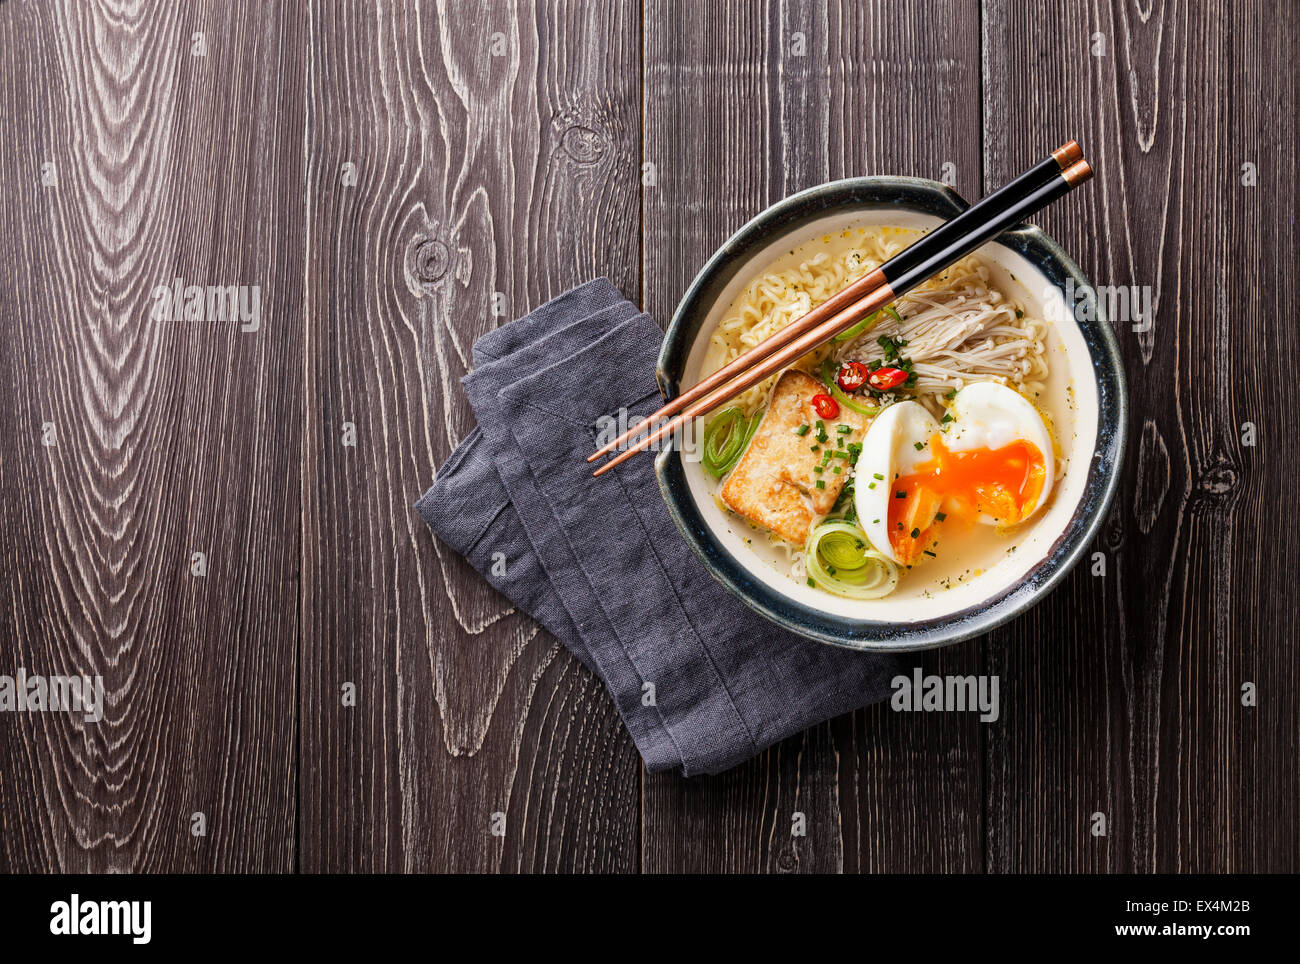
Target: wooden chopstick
(1038,175)
(912,272)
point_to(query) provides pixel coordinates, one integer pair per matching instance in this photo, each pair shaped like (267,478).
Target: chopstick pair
(1042,184)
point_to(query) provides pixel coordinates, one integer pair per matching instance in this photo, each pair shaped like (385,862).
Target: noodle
(958,328)
(955,330)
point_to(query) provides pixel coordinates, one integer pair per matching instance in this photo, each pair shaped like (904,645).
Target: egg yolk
(1004,484)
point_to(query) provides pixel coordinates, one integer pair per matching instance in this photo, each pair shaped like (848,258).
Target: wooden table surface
(397,179)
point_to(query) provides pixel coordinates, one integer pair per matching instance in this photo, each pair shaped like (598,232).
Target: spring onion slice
(725,440)
(839,559)
(828,376)
(864,324)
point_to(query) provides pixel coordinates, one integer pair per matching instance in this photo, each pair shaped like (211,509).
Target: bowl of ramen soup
(927,475)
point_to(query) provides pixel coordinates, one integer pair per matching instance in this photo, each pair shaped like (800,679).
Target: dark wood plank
(736,120)
(172,437)
(495,150)
(1123,693)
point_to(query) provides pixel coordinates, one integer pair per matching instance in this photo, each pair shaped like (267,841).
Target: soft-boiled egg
(993,463)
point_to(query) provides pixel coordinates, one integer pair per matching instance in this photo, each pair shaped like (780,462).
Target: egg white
(989,416)
(889,450)
(985,415)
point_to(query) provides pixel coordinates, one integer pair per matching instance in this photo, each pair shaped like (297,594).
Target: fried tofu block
(775,482)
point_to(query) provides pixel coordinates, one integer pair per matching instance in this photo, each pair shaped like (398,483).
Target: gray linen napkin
(701,681)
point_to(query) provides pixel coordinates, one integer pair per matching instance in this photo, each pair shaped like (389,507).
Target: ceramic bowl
(1092,436)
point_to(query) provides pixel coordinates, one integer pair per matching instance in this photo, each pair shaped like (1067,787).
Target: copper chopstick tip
(1077,173)
(1068,153)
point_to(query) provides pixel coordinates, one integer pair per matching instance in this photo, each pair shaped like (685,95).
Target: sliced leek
(725,440)
(840,560)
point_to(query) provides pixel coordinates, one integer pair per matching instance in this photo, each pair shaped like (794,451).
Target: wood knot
(430,258)
(582,144)
(427,262)
(1112,532)
(1218,480)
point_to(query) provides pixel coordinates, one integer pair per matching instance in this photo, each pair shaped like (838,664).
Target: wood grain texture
(782,96)
(170,437)
(398,178)
(493,146)
(1125,695)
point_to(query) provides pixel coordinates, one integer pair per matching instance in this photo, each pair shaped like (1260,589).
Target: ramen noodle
(941,395)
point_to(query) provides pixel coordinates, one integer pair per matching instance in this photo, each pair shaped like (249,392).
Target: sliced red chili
(853,375)
(825,406)
(883,379)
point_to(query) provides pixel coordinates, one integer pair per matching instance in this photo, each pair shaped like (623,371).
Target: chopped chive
(900,495)
(940,516)
(815,448)
(919,445)
(801,430)
(929,553)
(844,429)
(835,471)
(818,469)
(875,522)
(821,484)
(871,485)
(915,533)
(811,583)
(946,419)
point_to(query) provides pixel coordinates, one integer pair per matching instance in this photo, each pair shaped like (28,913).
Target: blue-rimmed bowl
(1087,398)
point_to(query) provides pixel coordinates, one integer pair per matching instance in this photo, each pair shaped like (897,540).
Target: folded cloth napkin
(700,680)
